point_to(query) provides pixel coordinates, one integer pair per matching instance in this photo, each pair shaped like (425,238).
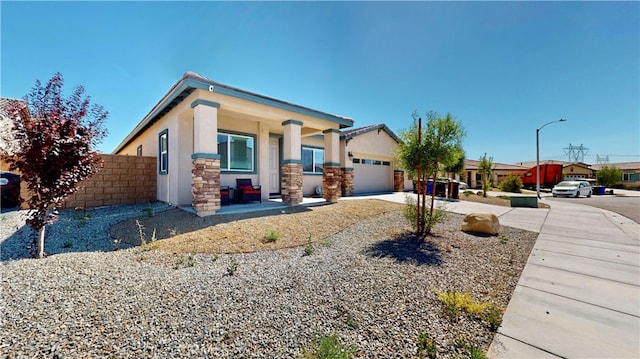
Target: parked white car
(572,189)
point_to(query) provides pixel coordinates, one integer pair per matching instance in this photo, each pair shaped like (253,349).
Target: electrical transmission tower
(576,153)
(602,160)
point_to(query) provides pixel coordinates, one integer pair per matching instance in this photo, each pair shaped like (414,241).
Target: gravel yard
(370,283)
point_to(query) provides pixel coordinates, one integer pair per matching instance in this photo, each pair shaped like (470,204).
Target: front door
(274,165)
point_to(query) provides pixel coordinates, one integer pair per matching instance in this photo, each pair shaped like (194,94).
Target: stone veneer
(347,181)
(398,181)
(205,185)
(331,183)
(292,184)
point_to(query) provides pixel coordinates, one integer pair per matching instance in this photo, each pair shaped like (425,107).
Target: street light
(538,154)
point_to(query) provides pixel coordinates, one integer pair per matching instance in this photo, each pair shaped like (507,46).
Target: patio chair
(247,192)
(224,196)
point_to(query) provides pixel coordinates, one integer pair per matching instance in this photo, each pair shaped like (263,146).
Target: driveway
(625,203)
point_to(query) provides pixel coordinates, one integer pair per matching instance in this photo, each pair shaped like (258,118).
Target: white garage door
(372,176)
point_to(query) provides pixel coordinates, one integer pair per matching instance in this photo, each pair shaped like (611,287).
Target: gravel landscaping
(371,284)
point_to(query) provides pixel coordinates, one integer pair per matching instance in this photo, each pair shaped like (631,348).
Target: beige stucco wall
(235,116)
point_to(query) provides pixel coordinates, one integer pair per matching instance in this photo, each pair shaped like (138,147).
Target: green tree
(511,183)
(424,152)
(485,168)
(609,176)
(457,167)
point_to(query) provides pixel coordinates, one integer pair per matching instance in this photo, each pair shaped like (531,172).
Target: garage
(372,176)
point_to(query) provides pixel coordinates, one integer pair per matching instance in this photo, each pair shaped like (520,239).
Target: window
(163,150)
(630,177)
(386,163)
(356,160)
(236,152)
(312,160)
(377,163)
(139,150)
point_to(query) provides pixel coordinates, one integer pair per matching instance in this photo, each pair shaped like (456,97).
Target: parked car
(572,189)
(9,189)
(463,186)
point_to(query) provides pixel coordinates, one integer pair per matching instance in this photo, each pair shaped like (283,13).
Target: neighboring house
(630,173)
(500,171)
(371,155)
(206,135)
(576,171)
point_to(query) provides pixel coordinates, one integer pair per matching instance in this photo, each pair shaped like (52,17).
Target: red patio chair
(247,192)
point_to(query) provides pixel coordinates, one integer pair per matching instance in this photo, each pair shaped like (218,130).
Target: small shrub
(503,239)
(308,249)
(81,215)
(147,212)
(429,222)
(271,236)
(427,347)
(183,262)
(475,352)
(455,302)
(352,323)
(468,193)
(233,266)
(67,243)
(511,183)
(328,346)
(493,317)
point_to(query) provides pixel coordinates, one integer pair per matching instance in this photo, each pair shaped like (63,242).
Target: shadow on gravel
(406,248)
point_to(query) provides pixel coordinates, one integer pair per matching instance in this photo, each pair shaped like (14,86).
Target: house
(630,173)
(206,135)
(371,154)
(500,171)
(576,171)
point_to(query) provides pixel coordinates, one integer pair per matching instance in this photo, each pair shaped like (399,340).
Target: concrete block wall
(120,180)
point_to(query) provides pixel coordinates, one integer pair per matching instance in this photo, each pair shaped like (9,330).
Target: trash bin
(441,189)
(429,188)
(454,189)
(599,190)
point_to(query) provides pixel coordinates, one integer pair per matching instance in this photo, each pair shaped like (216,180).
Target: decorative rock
(481,223)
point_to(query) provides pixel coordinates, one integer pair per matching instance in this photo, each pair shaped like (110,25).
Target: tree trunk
(40,253)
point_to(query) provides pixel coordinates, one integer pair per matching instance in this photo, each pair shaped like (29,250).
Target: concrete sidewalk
(579,293)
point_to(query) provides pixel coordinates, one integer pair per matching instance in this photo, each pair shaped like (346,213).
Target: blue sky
(502,68)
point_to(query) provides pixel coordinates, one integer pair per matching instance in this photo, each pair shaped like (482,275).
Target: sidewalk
(579,293)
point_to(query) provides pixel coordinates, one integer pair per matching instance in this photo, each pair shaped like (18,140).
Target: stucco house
(370,152)
(206,135)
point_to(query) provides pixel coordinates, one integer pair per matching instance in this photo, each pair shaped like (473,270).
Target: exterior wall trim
(204,102)
(292,122)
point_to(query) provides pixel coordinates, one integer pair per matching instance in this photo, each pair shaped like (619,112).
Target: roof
(473,164)
(619,165)
(191,81)
(353,132)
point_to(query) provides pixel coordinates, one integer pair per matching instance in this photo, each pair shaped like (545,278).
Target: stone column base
(331,183)
(205,184)
(347,181)
(292,184)
(398,181)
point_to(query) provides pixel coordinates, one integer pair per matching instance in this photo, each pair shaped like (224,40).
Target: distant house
(630,173)
(500,171)
(576,171)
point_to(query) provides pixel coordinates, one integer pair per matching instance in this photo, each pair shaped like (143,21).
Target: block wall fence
(120,180)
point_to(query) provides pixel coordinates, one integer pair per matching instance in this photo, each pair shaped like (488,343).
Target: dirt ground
(183,232)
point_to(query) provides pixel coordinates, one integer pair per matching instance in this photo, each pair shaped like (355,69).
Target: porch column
(205,161)
(292,163)
(331,171)
(346,167)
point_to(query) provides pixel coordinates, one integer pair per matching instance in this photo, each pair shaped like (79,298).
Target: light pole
(538,154)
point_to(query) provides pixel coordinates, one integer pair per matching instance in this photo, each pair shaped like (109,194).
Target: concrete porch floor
(271,203)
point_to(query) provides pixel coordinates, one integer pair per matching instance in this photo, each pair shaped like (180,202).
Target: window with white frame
(312,160)
(163,151)
(237,152)
(139,150)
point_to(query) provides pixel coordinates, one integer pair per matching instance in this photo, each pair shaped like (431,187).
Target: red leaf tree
(56,141)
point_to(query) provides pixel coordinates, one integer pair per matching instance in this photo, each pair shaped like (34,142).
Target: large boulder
(481,223)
